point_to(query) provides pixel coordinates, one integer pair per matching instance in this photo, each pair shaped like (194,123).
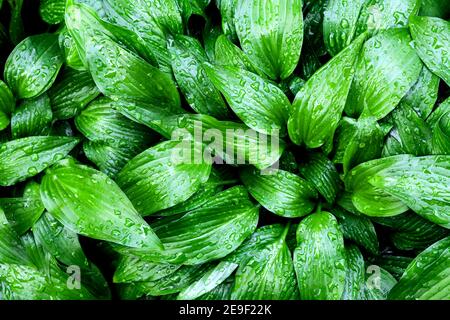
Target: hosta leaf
(358,229)
(86,201)
(52,11)
(164,175)
(280,192)
(271,34)
(379,283)
(12,250)
(210,35)
(33,65)
(355,275)
(228,54)
(441,135)
(23,212)
(100,122)
(32,117)
(427,277)
(24,158)
(268,274)
(386,70)
(431,41)
(434,117)
(4,121)
(72,93)
(7,102)
(322,174)
(16,28)
(434,8)
(187,59)
(318,105)
(71,54)
(207,233)
(420,183)
(210,280)
(221,292)
(319,259)
(395,265)
(131,269)
(339,23)
(258,103)
(385,14)
(227,10)
(423,94)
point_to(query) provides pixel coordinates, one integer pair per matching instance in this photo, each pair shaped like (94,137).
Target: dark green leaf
(355,275)
(52,11)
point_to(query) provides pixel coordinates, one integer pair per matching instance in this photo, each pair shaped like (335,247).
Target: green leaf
(434,8)
(395,265)
(16,28)
(72,93)
(71,54)
(7,102)
(271,34)
(379,283)
(358,229)
(431,40)
(378,15)
(210,280)
(386,70)
(427,277)
(268,273)
(33,65)
(221,292)
(280,192)
(100,122)
(4,121)
(23,158)
(257,102)
(319,259)
(322,174)
(355,275)
(207,233)
(339,23)
(164,175)
(23,212)
(227,10)
(33,117)
(423,94)
(12,250)
(228,54)
(318,105)
(86,201)
(52,11)
(420,183)
(188,57)
(441,135)
(440,110)
(366,197)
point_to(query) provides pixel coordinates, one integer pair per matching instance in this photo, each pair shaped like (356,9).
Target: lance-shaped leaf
(86,201)
(280,192)
(72,93)
(118,72)
(210,280)
(319,258)
(441,135)
(355,274)
(52,11)
(339,23)
(131,268)
(358,229)
(431,40)
(227,9)
(33,65)
(322,174)
(71,54)
(257,102)
(268,272)
(12,250)
(23,212)
(24,158)
(7,102)
(207,233)
(385,72)
(440,110)
(395,265)
(378,15)
(421,183)
(368,199)
(221,292)
(423,94)
(188,57)
(32,117)
(318,105)
(428,275)
(228,54)
(271,34)
(100,122)
(164,175)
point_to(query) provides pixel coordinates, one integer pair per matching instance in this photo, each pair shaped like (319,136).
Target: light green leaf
(441,135)
(355,275)
(52,11)
(87,202)
(228,54)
